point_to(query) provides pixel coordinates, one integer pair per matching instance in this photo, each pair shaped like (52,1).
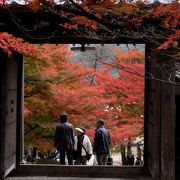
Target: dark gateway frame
(155,157)
(159,121)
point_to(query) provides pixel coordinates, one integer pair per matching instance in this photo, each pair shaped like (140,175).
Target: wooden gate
(8,116)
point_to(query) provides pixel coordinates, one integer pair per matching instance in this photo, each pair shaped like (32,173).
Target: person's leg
(62,156)
(70,156)
(83,160)
(99,159)
(104,159)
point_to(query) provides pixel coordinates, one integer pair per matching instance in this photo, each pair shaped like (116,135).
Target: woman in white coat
(83,146)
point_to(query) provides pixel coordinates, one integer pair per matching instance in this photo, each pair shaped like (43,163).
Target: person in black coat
(130,158)
(102,143)
(64,139)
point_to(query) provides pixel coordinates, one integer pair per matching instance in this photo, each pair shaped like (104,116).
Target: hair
(101,122)
(63,117)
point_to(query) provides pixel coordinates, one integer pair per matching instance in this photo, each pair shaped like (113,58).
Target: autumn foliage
(153,23)
(9,44)
(56,85)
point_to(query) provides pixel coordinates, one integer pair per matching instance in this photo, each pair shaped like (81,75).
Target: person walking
(64,139)
(83,147)
(102,143)
(130,158)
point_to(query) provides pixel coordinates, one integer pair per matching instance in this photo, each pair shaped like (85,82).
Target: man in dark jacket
(102,142)
(64,139)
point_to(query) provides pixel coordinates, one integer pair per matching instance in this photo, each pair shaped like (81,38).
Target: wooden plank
(168,130)
(1,84)
(8,114)
(20,109)
(10,105)
(79,171)
(71,178)
(161,117)
(152,118)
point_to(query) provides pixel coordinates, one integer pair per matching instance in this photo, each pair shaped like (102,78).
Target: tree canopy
(153,23)
(54,85)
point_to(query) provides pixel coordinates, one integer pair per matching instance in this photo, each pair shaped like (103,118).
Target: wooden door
(8,114)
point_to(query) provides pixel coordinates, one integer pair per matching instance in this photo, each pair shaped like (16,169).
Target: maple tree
(155,23)
(55,85)
(46,81)
(9,43)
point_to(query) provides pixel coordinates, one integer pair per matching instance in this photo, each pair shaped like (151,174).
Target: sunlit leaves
(9,43)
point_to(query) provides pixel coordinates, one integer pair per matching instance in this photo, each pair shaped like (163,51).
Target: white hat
(79,129)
